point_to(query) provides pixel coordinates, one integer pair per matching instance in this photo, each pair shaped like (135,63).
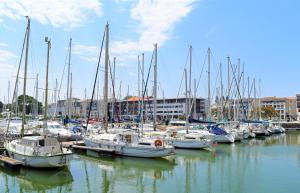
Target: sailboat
(125,143)
(37,151)
(189,140)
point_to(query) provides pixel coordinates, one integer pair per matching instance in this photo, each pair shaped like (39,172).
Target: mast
(127,105)
(238,89)
(208,81)
(143,87)
(70,98)
(68,81)
(186,103)
(259,97)
(221,97)
(105,99)
(55,91)
(46,88)
(139,91)
(228,88)
(155,87)
(37,95)
(8,91)
(255,105)
(25,76)
(190,80)
(195,99)
(248,101)
(113,101)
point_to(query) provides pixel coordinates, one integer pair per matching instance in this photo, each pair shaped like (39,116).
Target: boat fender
(158,143)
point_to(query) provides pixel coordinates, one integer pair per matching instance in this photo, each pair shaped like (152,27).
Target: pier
(10,163)
(79,145)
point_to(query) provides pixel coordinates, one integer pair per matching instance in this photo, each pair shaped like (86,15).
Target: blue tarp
(218,130)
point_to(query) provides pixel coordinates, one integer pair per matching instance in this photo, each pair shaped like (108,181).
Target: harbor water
(261,165)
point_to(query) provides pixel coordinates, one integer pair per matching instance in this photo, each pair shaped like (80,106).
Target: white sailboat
(189,140)
(125,143)
(37,151)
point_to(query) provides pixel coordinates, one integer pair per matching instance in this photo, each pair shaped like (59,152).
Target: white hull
(42,161)
(133,151)
(224,138)
(190,143)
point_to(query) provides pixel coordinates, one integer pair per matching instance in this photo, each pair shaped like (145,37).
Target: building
(298,106)
(166,108)
(285,107)
(129,109)
(60,109)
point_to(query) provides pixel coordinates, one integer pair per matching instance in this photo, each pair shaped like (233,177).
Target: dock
(10,162)
(79,145)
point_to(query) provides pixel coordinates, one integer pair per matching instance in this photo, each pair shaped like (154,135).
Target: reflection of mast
(105,182)
(87,178)
(187,177)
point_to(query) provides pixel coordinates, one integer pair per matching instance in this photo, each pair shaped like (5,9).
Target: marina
(110,104)
(239,165)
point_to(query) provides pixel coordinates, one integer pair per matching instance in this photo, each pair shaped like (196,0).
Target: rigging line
(95,81)
(182,77)
(146,83)
(17,78)
(60,84)
(198,83)
(234,75)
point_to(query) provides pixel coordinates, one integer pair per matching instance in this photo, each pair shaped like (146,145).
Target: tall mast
(155,87)
(259,97)
(46,87)
(195,99)
(221,97)
(208,80)
(248,101)
(255,105)
(190,80)
(228,88)
(68,81)
(238,89)
(25,75)
(139,91)
(105,98)
(113,101)
(8,91)
(142,109)
(70,98)
(127,105)
(186,103)
(37,96)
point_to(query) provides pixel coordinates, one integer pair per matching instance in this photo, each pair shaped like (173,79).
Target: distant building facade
(129,109)
(284,106)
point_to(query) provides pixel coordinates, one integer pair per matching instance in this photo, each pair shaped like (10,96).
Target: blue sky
(263,34)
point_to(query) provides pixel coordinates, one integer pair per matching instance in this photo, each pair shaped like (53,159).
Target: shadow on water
(30,179)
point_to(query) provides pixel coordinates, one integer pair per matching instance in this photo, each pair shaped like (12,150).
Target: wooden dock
(10,162)
(79,145)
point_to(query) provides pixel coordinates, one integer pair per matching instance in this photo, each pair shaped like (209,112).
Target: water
(254,166)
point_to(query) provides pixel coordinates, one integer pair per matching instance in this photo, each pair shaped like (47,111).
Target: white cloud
(155,23)
(157,19)
(59,13)
(7,69)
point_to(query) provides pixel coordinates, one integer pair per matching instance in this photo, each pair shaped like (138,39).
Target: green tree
(30,104)
(1,107)
(268,112)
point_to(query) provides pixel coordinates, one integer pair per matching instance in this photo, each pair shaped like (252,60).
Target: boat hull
(190,144)
(55,161)
(224,138)
(133,151)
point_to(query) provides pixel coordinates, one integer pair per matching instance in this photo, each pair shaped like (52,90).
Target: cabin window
(41,142)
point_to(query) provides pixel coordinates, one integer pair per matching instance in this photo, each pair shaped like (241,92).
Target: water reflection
(256,165)
(33,180)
